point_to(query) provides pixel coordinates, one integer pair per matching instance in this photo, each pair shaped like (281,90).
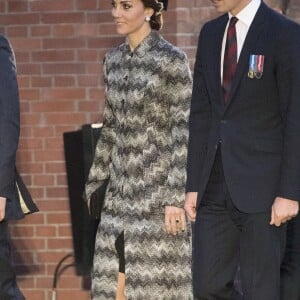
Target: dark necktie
(230,58)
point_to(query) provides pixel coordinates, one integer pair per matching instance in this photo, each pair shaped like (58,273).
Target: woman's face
(129,16)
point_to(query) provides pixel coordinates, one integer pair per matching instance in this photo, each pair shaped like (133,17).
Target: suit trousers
(8,286)
(290,267)
(225,238)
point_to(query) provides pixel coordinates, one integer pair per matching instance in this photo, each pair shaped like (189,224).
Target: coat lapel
(250,42)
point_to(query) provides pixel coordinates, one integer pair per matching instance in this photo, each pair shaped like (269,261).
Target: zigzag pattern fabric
(143,149)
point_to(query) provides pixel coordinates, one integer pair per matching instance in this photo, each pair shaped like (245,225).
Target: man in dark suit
(11,184)
(290,266)
(243,160)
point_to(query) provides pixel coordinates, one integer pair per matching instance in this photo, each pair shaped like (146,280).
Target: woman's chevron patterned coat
(142,148)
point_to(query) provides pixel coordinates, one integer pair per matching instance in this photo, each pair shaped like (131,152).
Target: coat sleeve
(199,121)
(9,119)
(288,82)
(179,88)
(99,170)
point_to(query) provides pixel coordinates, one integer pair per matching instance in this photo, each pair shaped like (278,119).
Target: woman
(143,235)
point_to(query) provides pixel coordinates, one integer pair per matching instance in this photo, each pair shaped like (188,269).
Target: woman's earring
(147,19)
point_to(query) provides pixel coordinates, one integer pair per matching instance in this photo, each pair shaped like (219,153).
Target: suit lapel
(249,44)
(214,64)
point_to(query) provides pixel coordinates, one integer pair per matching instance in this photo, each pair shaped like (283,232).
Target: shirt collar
(147,43)
(247,14)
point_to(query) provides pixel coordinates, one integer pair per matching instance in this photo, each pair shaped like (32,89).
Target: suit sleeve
(288,80)
(199,121)
(179,88)
(9,119)
(100,168)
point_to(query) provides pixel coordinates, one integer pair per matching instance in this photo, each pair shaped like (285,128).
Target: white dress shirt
(245,18)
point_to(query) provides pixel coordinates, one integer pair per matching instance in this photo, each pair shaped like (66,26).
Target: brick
(37,193)
(19,19)
(70,17)
(63,43)
(64,80)
(47,155)
(35,294)
(40,30)
(23,81)
(87,29)
(46,231)
(71,295)
(29,94)
(20,231)
(65,230)
(61,180)
(57,193)
(55,204)
(17,6)
(29,69)
(44,281)
(87,55)
(58,218)
(39,81)
(64,68)
(64,30)
(99,17)
(89,106)
(53,55)
(51,106)
(87,4)
(44,180)
(30,168)
(26,143)
(60,243)
(55,167)
(51,5)
(66,118)
(17,31)
(63,93)
(24,243)
(36,219)
(88,80)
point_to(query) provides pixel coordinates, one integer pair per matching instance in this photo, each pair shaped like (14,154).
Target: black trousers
(290,268)
(225,237)
(8,285)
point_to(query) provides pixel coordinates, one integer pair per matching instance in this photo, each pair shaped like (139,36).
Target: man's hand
(283,210)
(190,205)
(2,208)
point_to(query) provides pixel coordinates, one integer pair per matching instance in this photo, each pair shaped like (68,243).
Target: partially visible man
(243,159)
(10,205)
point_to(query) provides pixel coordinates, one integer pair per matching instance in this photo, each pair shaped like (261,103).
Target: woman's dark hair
(156,18)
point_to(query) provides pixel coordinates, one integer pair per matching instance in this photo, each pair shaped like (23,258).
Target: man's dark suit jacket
(259,128)
(9,135)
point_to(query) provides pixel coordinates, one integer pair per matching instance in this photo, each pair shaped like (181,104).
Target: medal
(256,66)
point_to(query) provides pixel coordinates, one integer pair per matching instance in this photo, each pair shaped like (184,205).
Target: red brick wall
(59,46)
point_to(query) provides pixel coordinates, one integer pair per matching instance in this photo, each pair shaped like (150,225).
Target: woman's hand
(175,219)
